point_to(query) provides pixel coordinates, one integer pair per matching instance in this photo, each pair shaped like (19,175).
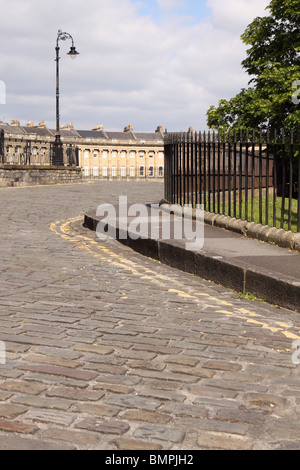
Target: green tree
(273,64)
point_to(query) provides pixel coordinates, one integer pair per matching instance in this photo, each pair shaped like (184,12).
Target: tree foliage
(273,64)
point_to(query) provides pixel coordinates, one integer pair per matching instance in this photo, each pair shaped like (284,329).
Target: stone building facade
(99,153)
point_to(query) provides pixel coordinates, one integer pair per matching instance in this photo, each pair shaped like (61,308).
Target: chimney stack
(68,126)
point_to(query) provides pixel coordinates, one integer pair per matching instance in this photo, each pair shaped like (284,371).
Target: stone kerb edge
(235,276)
(265,233)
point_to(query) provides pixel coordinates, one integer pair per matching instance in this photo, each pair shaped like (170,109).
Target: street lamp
(58,148)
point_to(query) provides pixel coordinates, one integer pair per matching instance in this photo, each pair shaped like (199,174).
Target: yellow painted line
(104,254)
(264,325)
(196,294)
(290,335)
(245,311)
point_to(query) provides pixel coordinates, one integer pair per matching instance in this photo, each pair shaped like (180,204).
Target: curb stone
(266,281)
(265,233)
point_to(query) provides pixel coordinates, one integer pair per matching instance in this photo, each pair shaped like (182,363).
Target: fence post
(234,174)
(275,179)
(298,187)
(260,177)
(1,145)
(167,177)
(195,144)
(290,179)
(267,177)
(200,168)
(241,176)
(214,170)
(283,178)
(204,171)
(229,175)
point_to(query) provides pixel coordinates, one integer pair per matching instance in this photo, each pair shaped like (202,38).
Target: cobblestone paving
(106,349)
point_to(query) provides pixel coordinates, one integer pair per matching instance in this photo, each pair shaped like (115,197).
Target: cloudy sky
(141,62)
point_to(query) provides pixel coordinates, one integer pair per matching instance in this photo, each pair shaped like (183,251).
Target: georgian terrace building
(101,154)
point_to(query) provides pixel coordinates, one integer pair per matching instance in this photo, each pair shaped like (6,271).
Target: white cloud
(130,69)
(170,4)
(235,15)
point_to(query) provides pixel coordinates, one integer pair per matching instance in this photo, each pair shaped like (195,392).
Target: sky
(147,63)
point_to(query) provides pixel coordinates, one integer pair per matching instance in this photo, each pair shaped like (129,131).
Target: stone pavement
(268,272)
(107,349)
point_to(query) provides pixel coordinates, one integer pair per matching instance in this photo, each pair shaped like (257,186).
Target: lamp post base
(58,156)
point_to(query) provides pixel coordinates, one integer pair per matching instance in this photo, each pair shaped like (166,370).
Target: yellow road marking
(63,229)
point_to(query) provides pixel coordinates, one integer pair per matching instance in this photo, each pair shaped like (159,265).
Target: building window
(151,170)
(142,154)
(95,171)
(104,154)
(160,154)
(123,171)
(95,153)
(114,171)
(132,154)
(132,172)
(104,171)
(114,154)
(151,155)
(86,171)
(86,154)
(123,154)
(142,170)
(160,171)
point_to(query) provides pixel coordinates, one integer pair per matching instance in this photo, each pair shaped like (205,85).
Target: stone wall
(16,175)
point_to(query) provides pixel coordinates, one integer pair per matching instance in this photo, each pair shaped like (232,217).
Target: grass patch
(261,212)
(249,296)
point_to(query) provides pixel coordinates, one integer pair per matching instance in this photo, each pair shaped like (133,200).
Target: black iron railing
(1,146)
(250,176)
(34,152)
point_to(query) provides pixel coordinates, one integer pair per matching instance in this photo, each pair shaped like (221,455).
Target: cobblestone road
(106,349)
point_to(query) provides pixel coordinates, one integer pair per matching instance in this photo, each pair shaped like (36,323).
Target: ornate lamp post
(58,148)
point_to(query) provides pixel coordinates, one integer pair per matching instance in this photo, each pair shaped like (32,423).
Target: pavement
(248,266)
(104,348)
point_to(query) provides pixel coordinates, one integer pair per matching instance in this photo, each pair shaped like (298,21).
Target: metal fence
(1,146)
(250,176)
(33,152)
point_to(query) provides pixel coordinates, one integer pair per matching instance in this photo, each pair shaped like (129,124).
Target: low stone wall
(18,175)
(264,233)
